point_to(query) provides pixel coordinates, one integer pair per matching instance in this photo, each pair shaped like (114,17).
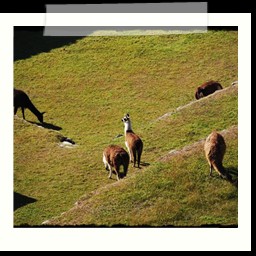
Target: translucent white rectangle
(119,30)
(132,23)
(178,7)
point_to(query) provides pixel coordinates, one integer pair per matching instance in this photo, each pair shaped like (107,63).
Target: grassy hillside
(85,88)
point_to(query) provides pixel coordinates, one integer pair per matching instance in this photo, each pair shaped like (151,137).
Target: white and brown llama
(132,141)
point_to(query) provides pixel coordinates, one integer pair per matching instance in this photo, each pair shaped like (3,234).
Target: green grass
(85,88)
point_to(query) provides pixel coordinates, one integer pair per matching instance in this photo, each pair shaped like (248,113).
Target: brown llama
(207,89)
(132,141)
(215,148)
(113,157)
(21,100)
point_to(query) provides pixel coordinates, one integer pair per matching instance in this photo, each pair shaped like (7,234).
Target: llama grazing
(21,100)
(207,89)
(132,141)
(215,148)
(113,157)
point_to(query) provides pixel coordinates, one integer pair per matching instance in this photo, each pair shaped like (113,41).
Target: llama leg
(125,165)
(134,157)
(110,172)
(23,113)
(125,170)
(105,162)
(15,110)
(139,155)
(117,172)
(210,170)
(129,151)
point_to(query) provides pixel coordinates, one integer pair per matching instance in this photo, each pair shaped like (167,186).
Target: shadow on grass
(29,41)
(144,164)
(21,200)
(233,171)
(47,125)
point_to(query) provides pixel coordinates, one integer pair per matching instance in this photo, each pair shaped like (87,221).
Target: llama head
(199,93)
(126,118)
(127,122)
(41,117)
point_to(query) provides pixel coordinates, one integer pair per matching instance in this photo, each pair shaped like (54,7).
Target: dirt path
(189,148)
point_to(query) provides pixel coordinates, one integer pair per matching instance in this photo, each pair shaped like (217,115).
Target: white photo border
(124,239)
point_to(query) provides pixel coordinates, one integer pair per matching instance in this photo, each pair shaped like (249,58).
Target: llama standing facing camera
(132,141)
(21,100)
(215,148)
(113,157)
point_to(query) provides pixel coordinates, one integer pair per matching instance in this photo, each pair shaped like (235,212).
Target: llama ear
(127,115)
(43,112)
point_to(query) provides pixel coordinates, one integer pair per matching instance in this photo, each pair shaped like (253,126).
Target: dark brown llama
(207,89)
(113,157)
(21,100)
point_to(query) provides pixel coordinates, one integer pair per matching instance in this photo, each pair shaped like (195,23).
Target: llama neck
(128,127)
(34,110)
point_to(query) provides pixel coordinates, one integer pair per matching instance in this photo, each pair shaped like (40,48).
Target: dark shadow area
(21,200)
(224,28)
(62,138)
(218,226)
(29,41)
(233,171)
(144,164)
(47,125)
(118,136)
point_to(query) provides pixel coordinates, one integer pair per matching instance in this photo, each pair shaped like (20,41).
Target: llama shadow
(47,126)
(144,164)
(141,164)
(21,200)
(233,171)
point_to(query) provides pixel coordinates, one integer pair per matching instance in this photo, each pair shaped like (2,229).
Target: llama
(207,89)
(113,157)
(132,141)
(21,100)
(215,148)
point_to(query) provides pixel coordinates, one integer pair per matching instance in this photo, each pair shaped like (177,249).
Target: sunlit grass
(85,88)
